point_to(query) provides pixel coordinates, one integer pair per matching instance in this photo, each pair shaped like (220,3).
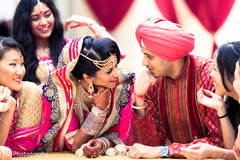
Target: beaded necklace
(46,49)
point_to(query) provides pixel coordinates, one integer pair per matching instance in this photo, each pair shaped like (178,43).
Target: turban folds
(165,39)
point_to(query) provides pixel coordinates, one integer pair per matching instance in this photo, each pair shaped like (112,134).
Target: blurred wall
(7,8)
(140,10)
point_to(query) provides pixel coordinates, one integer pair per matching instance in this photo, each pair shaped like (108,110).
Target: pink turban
(165,39)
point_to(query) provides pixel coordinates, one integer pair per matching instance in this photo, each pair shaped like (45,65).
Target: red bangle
(138,96)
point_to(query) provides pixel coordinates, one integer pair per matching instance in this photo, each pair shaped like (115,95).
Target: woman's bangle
(140,107)
(106,144)
(225,155)
(225,115)
(6,123)
(98,112)
(92,124)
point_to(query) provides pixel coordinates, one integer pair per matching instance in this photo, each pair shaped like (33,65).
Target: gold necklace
(81,93)
(46,49)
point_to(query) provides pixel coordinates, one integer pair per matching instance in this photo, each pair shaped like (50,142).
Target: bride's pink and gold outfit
(68,104)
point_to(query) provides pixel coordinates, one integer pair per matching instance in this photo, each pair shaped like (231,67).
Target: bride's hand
(102,97)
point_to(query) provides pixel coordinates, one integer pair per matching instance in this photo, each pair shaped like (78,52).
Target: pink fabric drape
(167,9)
(110,12)
(24,140)
(211,13)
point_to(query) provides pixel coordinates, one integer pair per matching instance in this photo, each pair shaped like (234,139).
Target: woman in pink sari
(22,115)
(90,98)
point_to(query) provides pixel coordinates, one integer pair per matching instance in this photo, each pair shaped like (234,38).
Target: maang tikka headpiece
(20,53)
(105,63)
(39,6)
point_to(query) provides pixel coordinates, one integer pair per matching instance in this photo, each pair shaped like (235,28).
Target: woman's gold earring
(90,89)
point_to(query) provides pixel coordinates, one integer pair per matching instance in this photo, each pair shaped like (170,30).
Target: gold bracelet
(99,112)
(139,107)
(6,123)
(104,146)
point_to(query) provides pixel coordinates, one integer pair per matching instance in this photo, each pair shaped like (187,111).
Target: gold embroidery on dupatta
(80,103)
(62,102)
(83,95)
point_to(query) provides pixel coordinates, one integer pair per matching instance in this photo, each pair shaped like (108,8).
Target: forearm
(226,125)
(5,124)
(228,132)
(227,128)
(80,138)
(90,127)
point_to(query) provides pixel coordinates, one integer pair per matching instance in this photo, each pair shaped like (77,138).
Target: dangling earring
(90,89)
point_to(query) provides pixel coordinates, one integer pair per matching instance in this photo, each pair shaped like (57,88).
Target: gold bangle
(138,107)
(104,146)
(6,123)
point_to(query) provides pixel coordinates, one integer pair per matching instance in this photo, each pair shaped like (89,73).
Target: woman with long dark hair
(228,109)
(38,28)
(236,85)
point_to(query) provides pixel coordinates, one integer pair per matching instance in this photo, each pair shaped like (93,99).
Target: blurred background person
(38,28)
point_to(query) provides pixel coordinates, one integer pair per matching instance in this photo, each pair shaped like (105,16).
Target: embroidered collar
(183,72)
